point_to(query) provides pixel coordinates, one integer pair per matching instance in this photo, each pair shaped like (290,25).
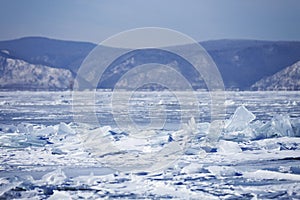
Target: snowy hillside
(18,74)
(49,52)
(286,79)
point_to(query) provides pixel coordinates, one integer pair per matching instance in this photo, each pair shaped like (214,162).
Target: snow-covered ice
(253,156)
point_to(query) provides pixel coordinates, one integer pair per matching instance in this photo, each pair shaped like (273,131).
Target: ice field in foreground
(252,158)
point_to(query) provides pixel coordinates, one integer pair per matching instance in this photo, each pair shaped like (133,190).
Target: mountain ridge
(241,62)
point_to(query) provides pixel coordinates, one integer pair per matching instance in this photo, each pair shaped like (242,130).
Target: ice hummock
(242,127)
(240,119)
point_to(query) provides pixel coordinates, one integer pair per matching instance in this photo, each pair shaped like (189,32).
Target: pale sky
(96,20)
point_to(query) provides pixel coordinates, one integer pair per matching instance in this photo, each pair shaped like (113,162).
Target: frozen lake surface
(46,154)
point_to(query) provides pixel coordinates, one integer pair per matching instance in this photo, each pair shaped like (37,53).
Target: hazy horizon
(94,21)
(91,42)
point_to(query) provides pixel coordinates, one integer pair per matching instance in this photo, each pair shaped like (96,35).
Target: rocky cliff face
(18,74)
(286,79)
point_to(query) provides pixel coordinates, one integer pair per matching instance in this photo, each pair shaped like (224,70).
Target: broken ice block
(296,126)
(258,130)
(279,126)
(60,195)
(228,147)
(240,119)
(65,129)
(282,126)
(224,171)
(25,128)
(215,130)
(55,177)
(192,168)
(45,131)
